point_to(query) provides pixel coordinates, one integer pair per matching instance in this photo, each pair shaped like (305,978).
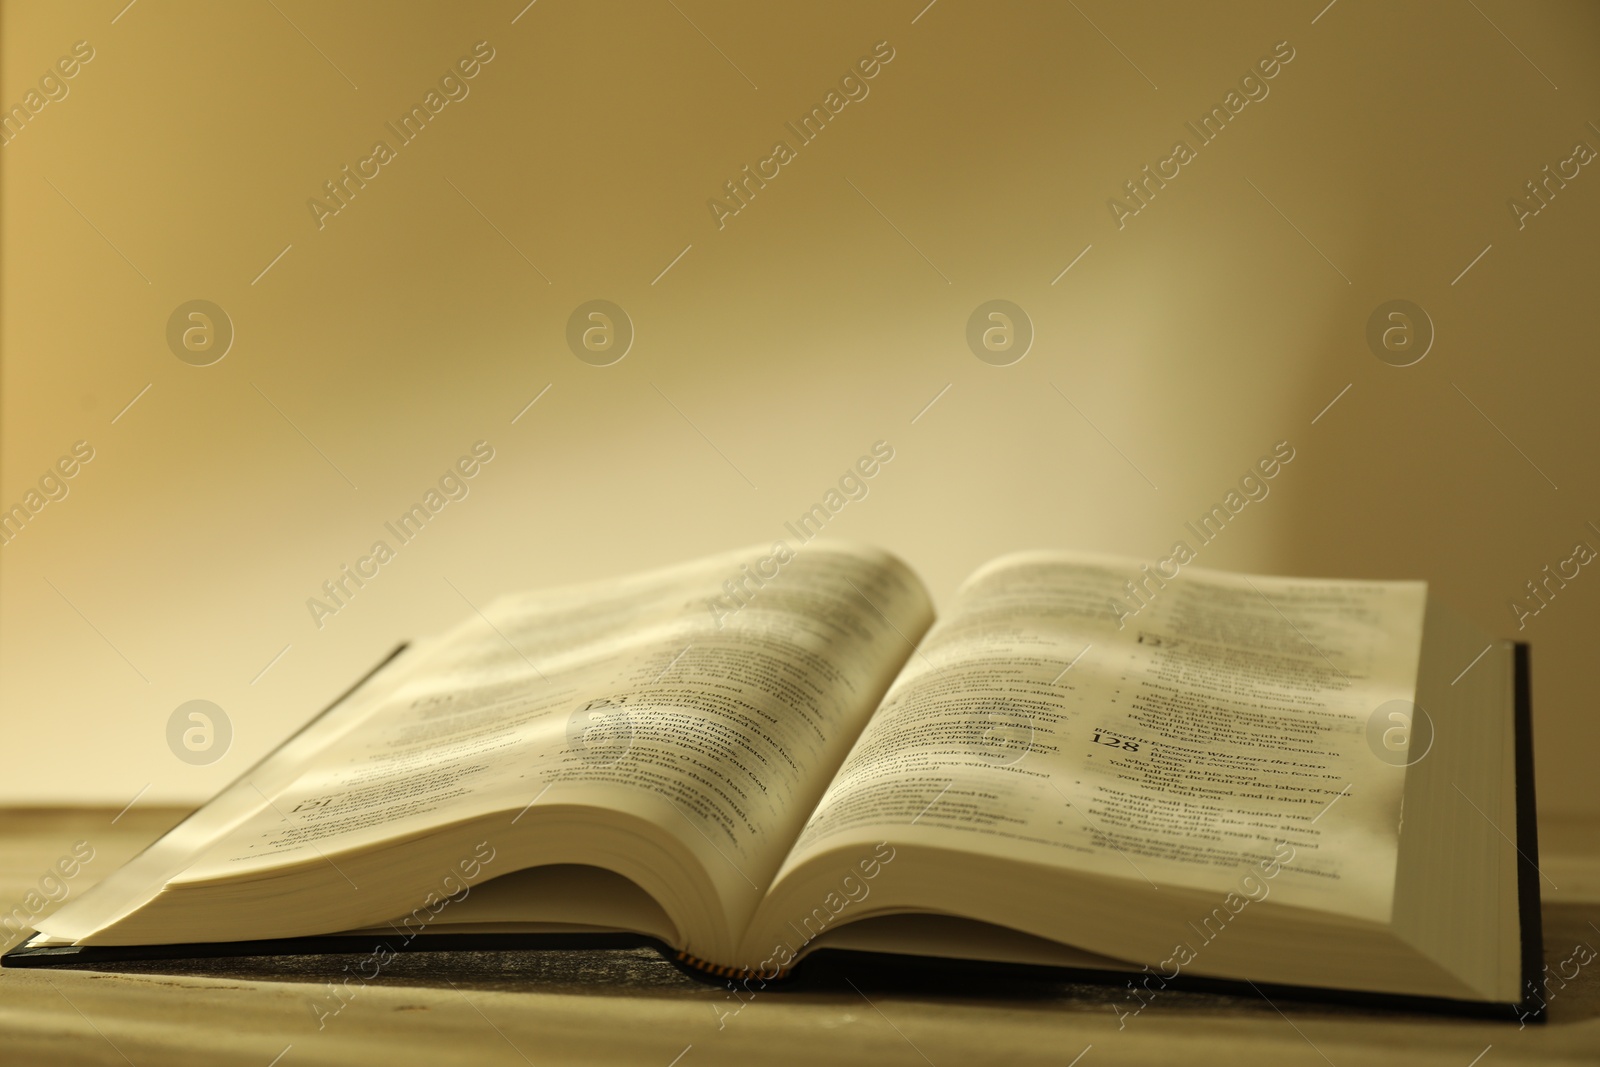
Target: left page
(662,700)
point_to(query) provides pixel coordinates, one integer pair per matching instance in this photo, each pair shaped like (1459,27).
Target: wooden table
(632,1007)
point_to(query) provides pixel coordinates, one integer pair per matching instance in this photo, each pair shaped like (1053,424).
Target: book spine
(736,973)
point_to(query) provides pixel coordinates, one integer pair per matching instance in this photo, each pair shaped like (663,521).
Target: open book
(755,756)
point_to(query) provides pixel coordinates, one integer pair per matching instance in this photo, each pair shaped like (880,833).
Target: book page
(717,716)
(1168,733)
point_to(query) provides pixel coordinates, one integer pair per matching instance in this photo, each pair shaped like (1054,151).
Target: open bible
(756,756)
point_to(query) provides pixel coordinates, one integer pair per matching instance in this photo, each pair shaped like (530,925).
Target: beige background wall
(823,317)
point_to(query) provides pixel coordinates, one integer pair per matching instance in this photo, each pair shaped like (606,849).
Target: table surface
(632,1007)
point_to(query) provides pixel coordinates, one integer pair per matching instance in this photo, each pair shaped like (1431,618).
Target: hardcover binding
(1532,1006)
(827,967)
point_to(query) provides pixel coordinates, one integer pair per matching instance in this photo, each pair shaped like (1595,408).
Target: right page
(1089,713)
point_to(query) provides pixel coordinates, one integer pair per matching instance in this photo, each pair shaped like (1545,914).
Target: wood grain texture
(632,1007)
